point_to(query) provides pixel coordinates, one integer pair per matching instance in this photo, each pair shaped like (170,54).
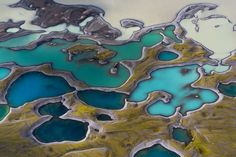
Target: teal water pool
(177,82)
(167,56)
(228,89)
(35,85)
(59,130)
(53,109)
(103,117)
(89,72)
(181,135)
(156,151)
(4,72)
(102,99)
(4,110)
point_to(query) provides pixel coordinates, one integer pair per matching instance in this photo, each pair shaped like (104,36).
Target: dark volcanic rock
(50,13)
(99,28)
(66,35)
(127,23)
(189,11)
(4,35)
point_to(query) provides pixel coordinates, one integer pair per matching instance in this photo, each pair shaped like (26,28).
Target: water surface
(167,56)
(92,74)
(156,151)
(4,110)
(89,72)
(103,117)
(228,89)
(58,130)
(53,109)
(102,99)
(4,72)
(34,85)
(181,135)
(177,82)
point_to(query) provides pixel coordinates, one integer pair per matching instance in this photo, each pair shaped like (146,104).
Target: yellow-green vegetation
(189,51)
(82,48)
(101,54)
(114,139)
(213,127)
(231,59)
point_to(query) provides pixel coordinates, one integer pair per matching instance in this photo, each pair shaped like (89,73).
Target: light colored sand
(12,30)
(220,40)
(215,34)
(150,11)
(18,14)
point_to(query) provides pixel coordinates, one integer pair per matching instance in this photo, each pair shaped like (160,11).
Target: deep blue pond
(228,89)
(181,135)
(34,85)
(54,109)
(167,56)
(102,99)
(58,130)
(156,151)
(103,117)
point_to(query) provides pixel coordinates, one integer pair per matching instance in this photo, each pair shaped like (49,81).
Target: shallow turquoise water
(167,56)
(4,72)
(53,109)
(181,135)
(156,151)
(58,130)
(20,41)
(102,99)
(133,50)
(103,117)
(35,85)
(218,68)
(175,81)
(4,110)
(91,73)
(228,89)
(169,32)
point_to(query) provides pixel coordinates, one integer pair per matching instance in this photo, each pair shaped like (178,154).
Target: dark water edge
(34,85)
(102,99)
(58,130)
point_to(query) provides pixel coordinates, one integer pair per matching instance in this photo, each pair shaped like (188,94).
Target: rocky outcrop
(4,26)
(99,28)
(128,23)
(50,13)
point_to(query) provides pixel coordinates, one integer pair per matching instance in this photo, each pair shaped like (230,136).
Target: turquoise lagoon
(181,135)
(133,50)
(4,72)
(59,130)
(228,89)
(175,81)
(53,109)
(91,73)
(208,69)
(102,99)
(34,85)
(156,151)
